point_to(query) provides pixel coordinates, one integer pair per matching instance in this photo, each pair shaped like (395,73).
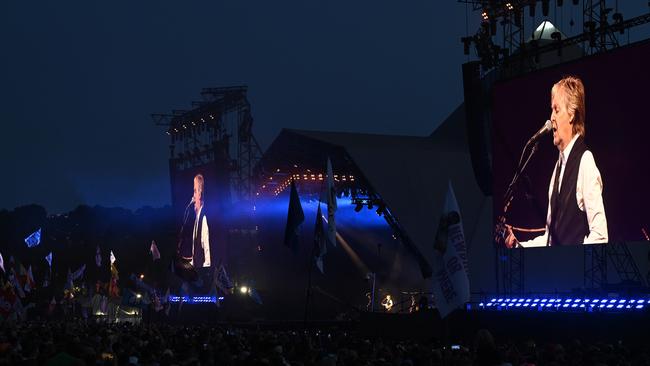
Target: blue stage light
(526,305)
(517,304)
(565,305)
(639,306)
(596,301)
(574,305)
(536,300)
(520,300)
(640,302)
(577,300)
(481,304)
(500,300)
(568,300)
(544,300)
(493,300)
(610,306)
(582,305)
(632,301)
(622,301)
(527,300)
(547,305)
(612,301)
(619,306)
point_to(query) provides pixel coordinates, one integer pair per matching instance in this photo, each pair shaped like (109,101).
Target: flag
(33,239)
(222,281)
(30,283)
(69,285)
(331,205)
(2,263)
(256,296)
(48,258)
(22,275)
(165,299)
(113,259)
(14,282)
(79,272)
(320,247)
(450,280)
(98,257)
(294,219)
(155,254)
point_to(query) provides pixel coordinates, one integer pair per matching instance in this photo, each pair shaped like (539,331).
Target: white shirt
(205,238)
(589,189)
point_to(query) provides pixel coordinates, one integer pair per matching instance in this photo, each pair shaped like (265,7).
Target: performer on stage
(576,214)
(196,248)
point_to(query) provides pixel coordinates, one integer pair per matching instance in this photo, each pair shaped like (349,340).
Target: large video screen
(200,198)
(603,187)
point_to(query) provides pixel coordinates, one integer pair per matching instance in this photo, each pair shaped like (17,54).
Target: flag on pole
(79,272)
(320,247)
(222,281)
(14,281)
(30,284)
(155,254)
(48,259)
(331,204)
(450,280)
(256,296)
(33,239)
(98,257)
(69,285)
(295,218)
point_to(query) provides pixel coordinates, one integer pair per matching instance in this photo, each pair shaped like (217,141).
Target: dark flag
(294,219)
(320,249)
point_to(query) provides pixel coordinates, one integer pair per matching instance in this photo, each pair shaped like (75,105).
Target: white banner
(450,279)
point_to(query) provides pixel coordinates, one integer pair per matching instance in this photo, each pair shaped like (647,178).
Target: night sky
(80,79)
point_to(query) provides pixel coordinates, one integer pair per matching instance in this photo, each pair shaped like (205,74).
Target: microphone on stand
(548,127)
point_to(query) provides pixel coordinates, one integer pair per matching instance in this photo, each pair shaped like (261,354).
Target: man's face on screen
(198,193)
(561,120)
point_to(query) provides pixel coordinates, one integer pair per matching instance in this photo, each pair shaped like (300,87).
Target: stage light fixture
(618,19)
(243,290)
(509,6)
(485,15)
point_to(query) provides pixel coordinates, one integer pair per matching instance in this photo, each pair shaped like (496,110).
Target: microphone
(191,202)
(548,127)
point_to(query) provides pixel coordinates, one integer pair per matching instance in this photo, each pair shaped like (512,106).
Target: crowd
(87,343)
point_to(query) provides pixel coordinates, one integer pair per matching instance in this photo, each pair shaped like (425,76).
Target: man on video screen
(196,248)
(576,214)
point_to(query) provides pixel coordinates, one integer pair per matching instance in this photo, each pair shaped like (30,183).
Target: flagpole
(309,271)
(310,267)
